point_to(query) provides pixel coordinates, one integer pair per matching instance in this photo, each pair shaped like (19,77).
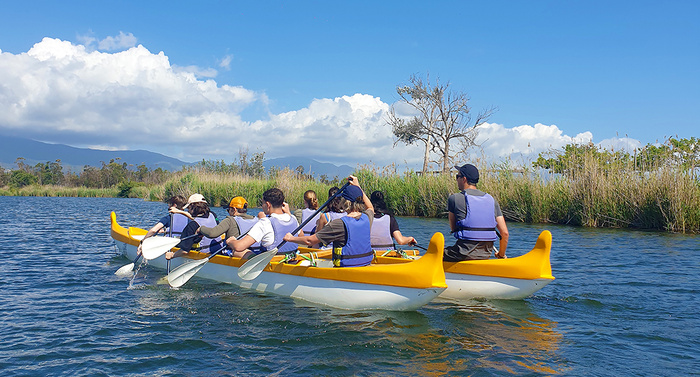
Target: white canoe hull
(332,293)
(467,287)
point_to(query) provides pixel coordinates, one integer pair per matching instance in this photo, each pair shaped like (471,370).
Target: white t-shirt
(262,230)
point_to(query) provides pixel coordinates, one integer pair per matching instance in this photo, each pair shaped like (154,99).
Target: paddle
(255,265)
(419,246)
(184,272)
(153,247)
(128,268)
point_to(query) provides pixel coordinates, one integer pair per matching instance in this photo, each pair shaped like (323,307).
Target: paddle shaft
(420,247)
(195,264)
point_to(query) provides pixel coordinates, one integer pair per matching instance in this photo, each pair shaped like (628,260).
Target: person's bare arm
(355,182)
(321,222)
(302,240)
(181,212)
(453,221)
(240,245)
(503,230)
(403,240)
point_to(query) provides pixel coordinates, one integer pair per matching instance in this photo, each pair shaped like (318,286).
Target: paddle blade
(184,272)
(255,265)
(154,247)
(125,270)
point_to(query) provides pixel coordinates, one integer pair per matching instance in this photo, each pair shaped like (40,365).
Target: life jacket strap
(345,257)
(478,229)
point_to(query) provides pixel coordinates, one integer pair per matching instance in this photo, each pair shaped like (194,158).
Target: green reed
(595,195)
(218,189)
(59,191)
(592,193)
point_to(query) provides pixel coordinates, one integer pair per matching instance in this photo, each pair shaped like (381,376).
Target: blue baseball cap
(469,171)
(352,193)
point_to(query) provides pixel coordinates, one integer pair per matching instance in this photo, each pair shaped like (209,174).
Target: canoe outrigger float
(404,286)
(506,279)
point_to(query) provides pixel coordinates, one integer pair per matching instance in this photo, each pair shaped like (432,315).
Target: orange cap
(238,202)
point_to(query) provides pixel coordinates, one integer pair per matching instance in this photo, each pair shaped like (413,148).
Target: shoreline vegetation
(583,186)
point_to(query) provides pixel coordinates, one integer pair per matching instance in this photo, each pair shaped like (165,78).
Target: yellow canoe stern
(533,265)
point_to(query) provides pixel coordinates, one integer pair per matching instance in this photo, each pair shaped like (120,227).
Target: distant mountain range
(74,159)
(313,167)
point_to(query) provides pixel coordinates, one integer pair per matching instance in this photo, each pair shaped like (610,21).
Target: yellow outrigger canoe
(404,286)
(509,279)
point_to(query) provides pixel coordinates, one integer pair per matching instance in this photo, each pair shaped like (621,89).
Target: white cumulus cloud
(498,141)
(70,93)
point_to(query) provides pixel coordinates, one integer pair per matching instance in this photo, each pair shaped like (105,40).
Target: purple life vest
(479,224)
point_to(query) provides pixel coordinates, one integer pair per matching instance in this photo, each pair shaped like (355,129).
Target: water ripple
(619,297)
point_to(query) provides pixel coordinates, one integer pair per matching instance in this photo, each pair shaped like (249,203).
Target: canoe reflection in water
(503,337)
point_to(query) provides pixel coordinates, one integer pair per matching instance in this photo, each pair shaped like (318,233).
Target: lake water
(623,303)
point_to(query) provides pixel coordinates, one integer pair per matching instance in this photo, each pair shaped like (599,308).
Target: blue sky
(308,76)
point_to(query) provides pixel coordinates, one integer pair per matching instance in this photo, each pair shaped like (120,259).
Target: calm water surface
(623,303)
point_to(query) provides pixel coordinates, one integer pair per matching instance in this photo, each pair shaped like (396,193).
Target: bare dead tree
(419,128)
(456,123)
(444,116)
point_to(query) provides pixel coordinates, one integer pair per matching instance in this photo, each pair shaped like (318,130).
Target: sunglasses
(459,176)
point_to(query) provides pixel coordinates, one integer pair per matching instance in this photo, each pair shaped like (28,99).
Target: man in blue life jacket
(474,218)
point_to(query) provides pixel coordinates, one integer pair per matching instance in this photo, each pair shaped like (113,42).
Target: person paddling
(310,207)
(385,228)
(172,223)
(198,208)
(274,222)
(334,211)
(230,226)
(474,217)
(350,235)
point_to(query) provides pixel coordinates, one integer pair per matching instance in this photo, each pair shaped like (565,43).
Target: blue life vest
(244,226)
(310,227)
(281,228)
(357,251)
(209,245)
(380,235)
(177,224)
(480,221)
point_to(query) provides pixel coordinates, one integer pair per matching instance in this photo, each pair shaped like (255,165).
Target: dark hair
(338,203)
(275,196)
(199,209)
(178,201)
(311,199)
(377,199)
